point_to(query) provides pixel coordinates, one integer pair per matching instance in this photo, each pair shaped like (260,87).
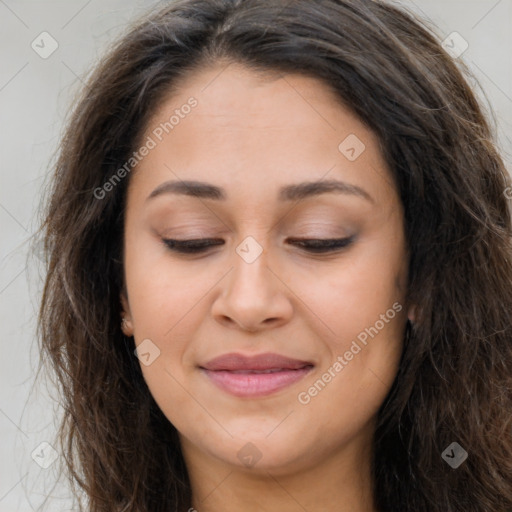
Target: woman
(280,270)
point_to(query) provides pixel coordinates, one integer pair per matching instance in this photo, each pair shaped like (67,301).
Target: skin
(252,134)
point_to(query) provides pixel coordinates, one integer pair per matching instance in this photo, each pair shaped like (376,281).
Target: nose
(253,296)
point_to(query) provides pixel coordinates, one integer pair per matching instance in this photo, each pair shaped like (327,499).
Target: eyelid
(310,245)
(327,241)
(187,245)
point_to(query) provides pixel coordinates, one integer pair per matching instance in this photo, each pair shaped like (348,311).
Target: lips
(260,362)
(258,375)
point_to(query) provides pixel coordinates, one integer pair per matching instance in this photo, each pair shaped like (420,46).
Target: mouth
(254,376)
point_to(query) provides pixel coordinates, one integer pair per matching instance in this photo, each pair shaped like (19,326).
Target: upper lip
(267,361)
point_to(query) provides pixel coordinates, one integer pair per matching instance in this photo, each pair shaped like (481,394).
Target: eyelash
(312,245)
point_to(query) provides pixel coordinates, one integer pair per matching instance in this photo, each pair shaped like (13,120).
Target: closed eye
(312,245)
(192,246)
(323,245)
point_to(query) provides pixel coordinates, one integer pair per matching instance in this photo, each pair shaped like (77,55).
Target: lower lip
(255,384)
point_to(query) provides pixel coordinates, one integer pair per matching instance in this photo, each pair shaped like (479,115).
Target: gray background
(35,95)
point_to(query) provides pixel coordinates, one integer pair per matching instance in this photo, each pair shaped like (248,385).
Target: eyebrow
(293,192)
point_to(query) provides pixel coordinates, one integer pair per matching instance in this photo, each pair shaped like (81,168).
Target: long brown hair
(454,382)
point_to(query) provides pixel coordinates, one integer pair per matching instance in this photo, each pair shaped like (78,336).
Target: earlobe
(126,319)
(411,313)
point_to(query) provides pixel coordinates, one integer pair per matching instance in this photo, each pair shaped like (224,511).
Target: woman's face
(261,351)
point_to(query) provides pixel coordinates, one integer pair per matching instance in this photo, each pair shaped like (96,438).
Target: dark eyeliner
(314,245)
(311,245)
(191,246)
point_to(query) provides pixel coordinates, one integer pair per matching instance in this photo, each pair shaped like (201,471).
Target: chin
(260,453)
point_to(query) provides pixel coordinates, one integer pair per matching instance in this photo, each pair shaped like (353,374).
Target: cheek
(350,399)
(162,292)
(364,346)
(166,308)
(362,353)
(352,294)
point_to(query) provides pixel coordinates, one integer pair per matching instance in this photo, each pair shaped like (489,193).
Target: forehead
(234,96)
(257,130)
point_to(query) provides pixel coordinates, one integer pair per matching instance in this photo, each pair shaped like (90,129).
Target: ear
(411,313)
(126,318)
